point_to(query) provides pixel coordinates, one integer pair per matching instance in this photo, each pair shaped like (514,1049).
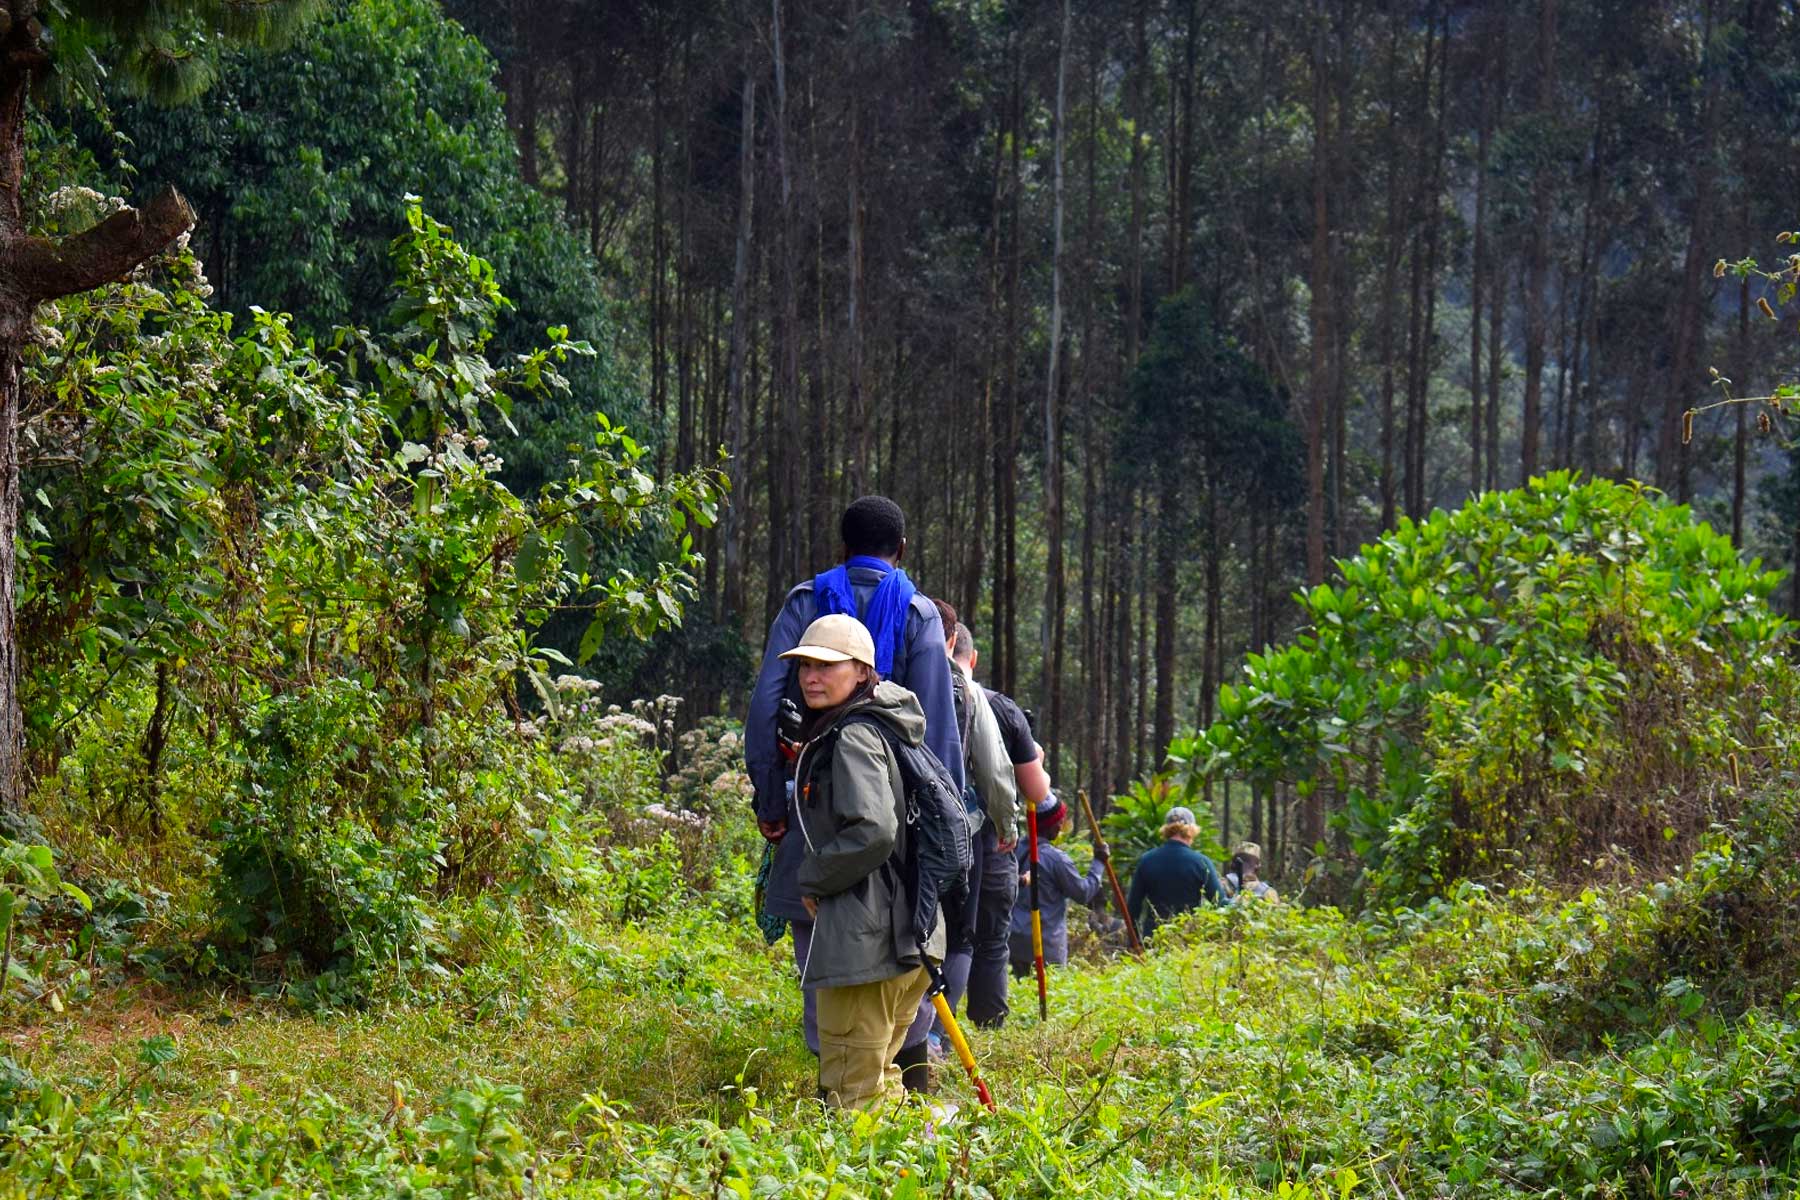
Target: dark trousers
(994,885)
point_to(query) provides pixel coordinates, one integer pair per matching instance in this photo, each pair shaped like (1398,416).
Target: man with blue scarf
(909,649)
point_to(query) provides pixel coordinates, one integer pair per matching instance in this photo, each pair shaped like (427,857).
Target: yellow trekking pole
(961,1043)
(1037,918)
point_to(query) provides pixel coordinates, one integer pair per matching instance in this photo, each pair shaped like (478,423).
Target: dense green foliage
(1545,676)
(278,601)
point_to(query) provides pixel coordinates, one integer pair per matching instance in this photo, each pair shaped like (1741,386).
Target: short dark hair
(965,645)
(873,525)
(947,615)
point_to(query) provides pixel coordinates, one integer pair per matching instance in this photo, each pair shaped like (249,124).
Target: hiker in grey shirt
(1058,883)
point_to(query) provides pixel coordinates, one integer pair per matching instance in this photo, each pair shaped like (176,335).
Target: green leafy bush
(278,601)
(1546,677)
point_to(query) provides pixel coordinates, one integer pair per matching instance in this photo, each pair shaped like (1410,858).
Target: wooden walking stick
(1037,916)
(1112,877)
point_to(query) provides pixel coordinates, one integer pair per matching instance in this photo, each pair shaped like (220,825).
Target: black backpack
(965,720)
(940,846)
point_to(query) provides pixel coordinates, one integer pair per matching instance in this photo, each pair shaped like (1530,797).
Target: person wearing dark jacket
(865,961)
(908,636)
(1174,877)
(1058,883)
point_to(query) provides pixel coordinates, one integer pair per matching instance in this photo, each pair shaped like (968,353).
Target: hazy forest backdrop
(1145,310)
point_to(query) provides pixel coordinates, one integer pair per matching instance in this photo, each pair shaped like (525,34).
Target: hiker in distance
(865,962)
(1174,877)
(973,935)
(908,637)
(1058,883)
(1242,875)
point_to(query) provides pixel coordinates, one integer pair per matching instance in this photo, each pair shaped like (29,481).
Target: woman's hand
(811,904)
(773,831)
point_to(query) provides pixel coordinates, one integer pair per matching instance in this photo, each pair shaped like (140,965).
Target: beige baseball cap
(836,638)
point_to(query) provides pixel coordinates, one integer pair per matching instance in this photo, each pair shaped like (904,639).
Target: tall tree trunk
(1478,271)
(986,482)
(1049,688)
(1092,700)
(1006,604)
(786,510)
(1122,740)
(1537,254)
(1682,386)
(659,266)
(858,458)
(1495,351)
(1134,237)
(742,323)
(1496,304)
(685,404)
(1343,295)
(1390,282)
(1319,385)
(1739,448)
(1433,224)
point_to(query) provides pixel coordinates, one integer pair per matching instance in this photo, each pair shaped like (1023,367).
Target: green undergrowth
(1448,1050)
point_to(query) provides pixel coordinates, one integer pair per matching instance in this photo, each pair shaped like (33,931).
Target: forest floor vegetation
(1452,1049)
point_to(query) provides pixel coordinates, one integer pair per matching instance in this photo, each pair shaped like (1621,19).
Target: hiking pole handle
(1112,876)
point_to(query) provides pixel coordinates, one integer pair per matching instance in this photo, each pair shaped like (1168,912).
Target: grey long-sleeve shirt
(1058,883)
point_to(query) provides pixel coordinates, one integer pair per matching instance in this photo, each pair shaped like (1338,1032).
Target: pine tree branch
(46,268)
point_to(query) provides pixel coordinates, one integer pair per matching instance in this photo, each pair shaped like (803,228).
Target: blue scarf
(886,617)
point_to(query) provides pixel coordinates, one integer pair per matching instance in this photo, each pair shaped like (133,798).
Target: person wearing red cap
(1058,883)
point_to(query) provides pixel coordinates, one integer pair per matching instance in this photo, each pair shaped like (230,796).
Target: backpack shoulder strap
(965,692)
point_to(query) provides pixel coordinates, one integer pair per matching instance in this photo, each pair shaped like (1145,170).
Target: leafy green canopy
(297,163)
(1548,675)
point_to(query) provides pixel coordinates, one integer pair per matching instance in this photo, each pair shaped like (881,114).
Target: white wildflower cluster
(577,685)
(616,724)
(675,816)
(709,770)
(459,449)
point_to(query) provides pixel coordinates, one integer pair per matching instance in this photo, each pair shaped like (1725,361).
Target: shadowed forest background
(1146,312)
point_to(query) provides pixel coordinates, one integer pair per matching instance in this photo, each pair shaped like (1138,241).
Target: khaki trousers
(861,1028)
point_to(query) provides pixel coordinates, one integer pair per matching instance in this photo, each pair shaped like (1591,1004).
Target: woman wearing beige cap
(865,961)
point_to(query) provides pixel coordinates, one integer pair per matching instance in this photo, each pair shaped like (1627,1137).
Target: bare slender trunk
(1537,255)
(1683,386)
(1053,465)
(1319,386)
(858,458)
(738,400)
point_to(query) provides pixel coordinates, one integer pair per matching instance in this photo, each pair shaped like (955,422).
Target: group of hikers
(866,683)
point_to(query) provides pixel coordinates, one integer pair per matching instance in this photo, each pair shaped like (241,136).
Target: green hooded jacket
(852,819)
